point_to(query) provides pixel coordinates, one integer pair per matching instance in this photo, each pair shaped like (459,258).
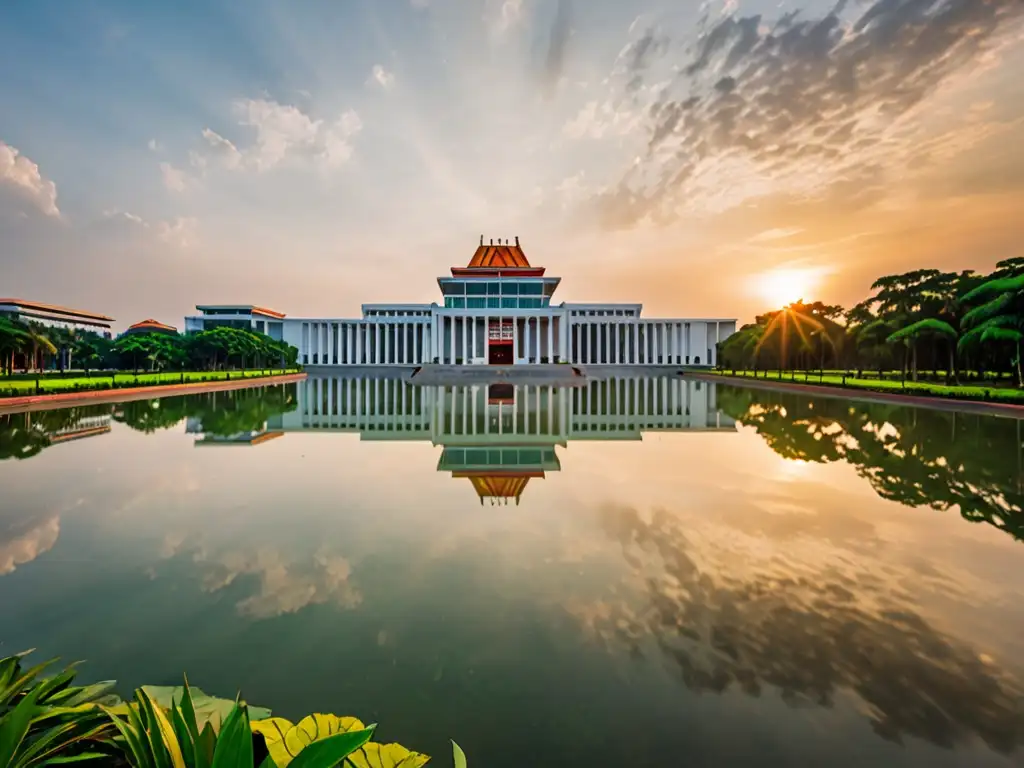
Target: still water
(640,572)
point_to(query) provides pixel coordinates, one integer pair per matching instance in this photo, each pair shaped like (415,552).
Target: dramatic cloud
(380,76)
(799,106)
(20,173)
(727,618)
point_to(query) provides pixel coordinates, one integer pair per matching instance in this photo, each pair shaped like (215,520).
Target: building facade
(497,310)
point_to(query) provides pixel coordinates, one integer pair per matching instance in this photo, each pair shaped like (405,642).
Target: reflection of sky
(321,572)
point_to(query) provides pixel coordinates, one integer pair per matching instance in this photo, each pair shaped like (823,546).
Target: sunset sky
(706,159)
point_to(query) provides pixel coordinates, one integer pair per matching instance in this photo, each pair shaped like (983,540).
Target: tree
(999,318)
(929,328)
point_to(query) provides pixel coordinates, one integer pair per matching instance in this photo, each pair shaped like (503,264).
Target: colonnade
(632,341)
(388,341)
(462,339)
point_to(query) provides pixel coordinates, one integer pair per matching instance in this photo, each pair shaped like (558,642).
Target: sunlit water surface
(639,573)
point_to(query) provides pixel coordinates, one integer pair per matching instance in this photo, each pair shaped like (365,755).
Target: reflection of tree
(221,413)
(809,638)
(916,456)
(23,435)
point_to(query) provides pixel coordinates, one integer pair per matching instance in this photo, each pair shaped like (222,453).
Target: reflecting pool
(636,572)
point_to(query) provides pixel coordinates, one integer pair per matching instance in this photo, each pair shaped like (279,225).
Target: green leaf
(206,744)
(234,743)
(375,755)
(328,752)
(459,755)
(928,327)
(206,708)
(285,741)
(14,727)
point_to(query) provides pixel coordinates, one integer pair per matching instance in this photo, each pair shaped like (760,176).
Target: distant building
(151,326)
(55,316)
(497,310)
(245,316)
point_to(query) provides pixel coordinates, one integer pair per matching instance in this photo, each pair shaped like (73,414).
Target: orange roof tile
(151,323)
(498,256)
(39,307)
(268,312)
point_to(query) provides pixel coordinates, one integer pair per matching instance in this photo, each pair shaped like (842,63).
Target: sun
(781,287)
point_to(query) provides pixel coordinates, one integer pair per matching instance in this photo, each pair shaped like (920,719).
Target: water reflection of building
(87,426)
(500,437)
(259,434)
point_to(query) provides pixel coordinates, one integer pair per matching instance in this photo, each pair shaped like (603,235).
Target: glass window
(510,289)
(476,289)
(509,302)
(458,302)
(531,289)
(493,302)
(476,302)
(493,289)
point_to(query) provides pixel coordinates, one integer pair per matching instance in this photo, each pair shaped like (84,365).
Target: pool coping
(935,402)
(126,394)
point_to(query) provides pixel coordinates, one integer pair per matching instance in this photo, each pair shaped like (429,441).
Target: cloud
(154,145)
(558,41)
(282,131)
(380,76)
(337,142)
(20,173)
(173,178)
(27,546)
(179,231)
(811,107)
(284,587)
(226,151)
(506,14)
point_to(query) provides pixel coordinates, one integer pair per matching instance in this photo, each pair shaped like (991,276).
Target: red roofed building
(497,310)
(151,326)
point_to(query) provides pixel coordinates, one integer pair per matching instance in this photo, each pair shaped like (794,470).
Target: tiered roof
(498,259)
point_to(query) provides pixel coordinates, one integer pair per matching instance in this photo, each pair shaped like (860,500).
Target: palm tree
(999,319)
(929,328)
(13,335)
(38,342)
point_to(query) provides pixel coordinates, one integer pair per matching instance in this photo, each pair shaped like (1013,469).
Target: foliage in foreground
(48,721)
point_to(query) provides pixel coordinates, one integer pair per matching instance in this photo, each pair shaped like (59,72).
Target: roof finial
(481,239)
(517,241)
(492,241)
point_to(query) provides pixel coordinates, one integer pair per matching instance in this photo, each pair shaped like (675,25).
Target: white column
(515,353)
(465,344)
(551,338)
(451,360)
(607,341)
(526,338)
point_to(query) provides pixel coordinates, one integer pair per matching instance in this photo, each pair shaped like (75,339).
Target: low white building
(497,310)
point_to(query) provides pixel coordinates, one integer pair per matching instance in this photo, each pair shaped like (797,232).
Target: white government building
(498,310)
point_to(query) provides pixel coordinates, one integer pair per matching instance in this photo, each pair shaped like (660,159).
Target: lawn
(999,393)
(54,383)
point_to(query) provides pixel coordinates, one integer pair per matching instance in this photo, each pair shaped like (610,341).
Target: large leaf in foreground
(285,741)
(375,755)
